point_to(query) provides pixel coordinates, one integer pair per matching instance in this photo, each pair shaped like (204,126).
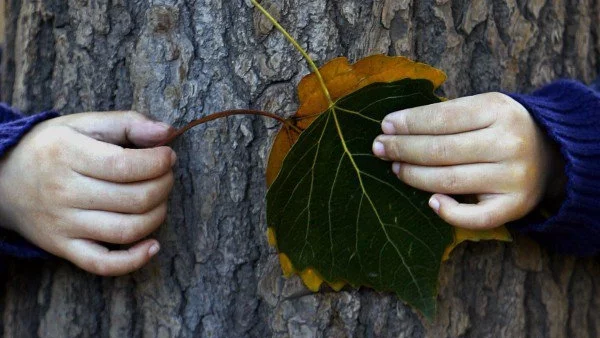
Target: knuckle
(170,181)
(119,163)
(520,174)
(157,218)
(127,234)
(59,192)
(133,115)
(439,121)
(522,201)
(53,149)
(163,162)
(406,173)
(515,145)
(517,118)
(495,98)
(147,198)
(440,150)
(450,183)
(142,201)
(400,122)
(525,202)
(392,148)
(162,215)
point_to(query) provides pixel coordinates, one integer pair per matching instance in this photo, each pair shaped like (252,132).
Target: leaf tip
(337,286)
(271,237)
(286,265)
(447,252)
(429,313)
(311,279)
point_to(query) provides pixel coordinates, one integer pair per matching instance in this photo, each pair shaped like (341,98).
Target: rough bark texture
(216,276)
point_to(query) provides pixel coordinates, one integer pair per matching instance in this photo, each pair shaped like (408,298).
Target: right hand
(69,186)
(486,145)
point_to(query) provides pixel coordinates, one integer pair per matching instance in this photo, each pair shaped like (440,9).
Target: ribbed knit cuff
(13,126)
(570,113)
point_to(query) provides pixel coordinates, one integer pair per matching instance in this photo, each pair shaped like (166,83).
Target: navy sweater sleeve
(13,125)
(570,114)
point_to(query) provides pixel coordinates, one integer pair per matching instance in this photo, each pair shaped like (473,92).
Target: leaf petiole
(226,113)
(299,48)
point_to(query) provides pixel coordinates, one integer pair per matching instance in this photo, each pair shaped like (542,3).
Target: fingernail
(396,168)
(388,127)
(173,158)
(153,249)
(378,149)
(434,204)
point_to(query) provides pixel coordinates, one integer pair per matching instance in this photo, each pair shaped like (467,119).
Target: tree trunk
(177,60)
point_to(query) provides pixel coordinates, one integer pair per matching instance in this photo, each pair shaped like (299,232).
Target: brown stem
(226,113)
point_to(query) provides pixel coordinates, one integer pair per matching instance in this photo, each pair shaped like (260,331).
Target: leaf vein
(337,171)
(408,199)
(358,173)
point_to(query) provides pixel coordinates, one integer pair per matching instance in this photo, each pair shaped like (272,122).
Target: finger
(113,163)
(450,117)
(459,179)
(120,127)
(471,147)
(116,228)
(131,198)
(97,259)
(489,213)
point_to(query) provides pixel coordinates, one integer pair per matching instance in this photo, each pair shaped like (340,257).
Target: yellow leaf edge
(461,235)
(313,280)
(310,276)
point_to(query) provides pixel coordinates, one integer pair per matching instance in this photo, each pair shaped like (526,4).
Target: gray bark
(177,60)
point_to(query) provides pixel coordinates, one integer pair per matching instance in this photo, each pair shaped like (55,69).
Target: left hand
(77,182)
(486,145)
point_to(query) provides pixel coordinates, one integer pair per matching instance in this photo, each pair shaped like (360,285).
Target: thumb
(120,127)
(492,211)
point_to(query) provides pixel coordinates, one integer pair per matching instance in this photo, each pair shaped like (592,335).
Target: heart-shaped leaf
(338,212)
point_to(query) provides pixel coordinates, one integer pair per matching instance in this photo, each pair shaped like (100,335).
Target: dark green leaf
(339,210)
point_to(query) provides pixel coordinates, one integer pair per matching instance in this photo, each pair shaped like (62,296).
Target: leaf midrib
(362,186)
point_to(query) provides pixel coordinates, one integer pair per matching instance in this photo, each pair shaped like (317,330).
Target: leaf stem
(299,48)
(226,113)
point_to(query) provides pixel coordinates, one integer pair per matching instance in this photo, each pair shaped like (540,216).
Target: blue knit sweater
(567,110)
(570,114)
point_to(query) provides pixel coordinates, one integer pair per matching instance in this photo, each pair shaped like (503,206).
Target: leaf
(338,213)
(307,221)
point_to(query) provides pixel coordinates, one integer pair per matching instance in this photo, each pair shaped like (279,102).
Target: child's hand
(487,145)
(69,187)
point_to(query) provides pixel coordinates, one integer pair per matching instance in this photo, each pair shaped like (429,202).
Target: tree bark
(177,60)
